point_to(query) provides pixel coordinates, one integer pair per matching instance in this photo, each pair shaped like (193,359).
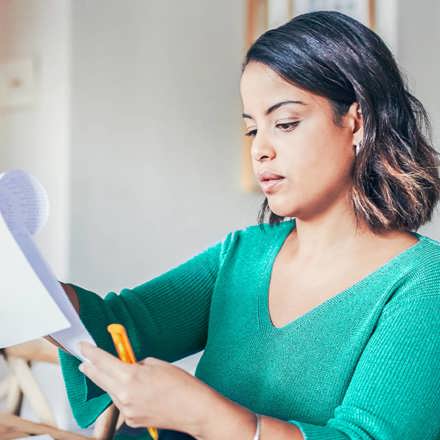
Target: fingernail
(81,368)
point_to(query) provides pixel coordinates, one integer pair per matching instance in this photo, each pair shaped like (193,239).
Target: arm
(225,418)
(165,317)
(394,392)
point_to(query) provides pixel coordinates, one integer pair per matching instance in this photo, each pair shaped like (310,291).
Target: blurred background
(129,113)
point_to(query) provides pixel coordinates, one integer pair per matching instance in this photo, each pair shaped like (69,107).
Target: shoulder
(421,281)
(427,260)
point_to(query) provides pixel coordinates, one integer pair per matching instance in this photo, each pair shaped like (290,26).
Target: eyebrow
(274,107)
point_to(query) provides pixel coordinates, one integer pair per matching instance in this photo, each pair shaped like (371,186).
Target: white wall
(37,138)
(156,136)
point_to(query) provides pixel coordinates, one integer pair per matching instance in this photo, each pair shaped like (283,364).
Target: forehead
(260,84)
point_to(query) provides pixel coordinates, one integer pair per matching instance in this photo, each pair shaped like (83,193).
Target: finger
(104,361)
(100,377)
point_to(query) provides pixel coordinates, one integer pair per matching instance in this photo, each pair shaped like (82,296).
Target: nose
(262,148)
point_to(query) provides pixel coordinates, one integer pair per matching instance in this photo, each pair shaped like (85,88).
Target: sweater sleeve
(165,317)
(394,392)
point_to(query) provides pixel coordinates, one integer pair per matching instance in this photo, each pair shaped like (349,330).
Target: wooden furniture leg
(21,383)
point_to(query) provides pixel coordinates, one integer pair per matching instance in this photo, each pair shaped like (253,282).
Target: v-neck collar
(265,320)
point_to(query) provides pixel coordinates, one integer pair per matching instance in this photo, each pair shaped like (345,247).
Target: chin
(281,211)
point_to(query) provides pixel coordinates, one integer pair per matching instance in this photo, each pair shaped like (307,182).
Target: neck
(333,232)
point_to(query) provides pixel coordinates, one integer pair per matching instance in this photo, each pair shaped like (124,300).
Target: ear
(356,122)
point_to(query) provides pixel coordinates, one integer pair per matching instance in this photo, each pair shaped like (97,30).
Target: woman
(324,321)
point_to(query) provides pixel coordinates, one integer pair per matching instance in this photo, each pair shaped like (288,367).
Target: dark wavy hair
(396,182)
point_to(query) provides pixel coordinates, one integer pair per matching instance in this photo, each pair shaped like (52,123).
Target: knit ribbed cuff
(86,399)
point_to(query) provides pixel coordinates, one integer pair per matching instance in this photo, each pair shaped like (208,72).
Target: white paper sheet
(26,311)
(32,301)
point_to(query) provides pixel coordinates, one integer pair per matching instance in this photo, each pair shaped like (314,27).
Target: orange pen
(126,354)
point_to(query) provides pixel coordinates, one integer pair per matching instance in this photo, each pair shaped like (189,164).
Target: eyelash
(290,124)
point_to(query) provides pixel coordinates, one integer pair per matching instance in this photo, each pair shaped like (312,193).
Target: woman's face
(299,141)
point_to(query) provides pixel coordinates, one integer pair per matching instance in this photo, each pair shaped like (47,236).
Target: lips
(270,181)
(268,175)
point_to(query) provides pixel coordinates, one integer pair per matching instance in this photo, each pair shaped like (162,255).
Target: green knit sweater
(364,364)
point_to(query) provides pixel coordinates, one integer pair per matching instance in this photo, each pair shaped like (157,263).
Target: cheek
(305,161)
(317,161)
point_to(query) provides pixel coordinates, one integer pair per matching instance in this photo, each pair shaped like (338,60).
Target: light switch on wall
(17,84)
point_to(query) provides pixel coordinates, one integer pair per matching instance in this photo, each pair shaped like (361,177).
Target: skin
(316,157)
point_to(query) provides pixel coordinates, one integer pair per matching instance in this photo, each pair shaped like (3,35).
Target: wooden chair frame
(20,383)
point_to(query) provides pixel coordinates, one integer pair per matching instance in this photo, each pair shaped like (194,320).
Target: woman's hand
(150,393)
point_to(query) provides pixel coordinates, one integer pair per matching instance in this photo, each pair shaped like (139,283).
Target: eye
(251,133)
(286,126)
